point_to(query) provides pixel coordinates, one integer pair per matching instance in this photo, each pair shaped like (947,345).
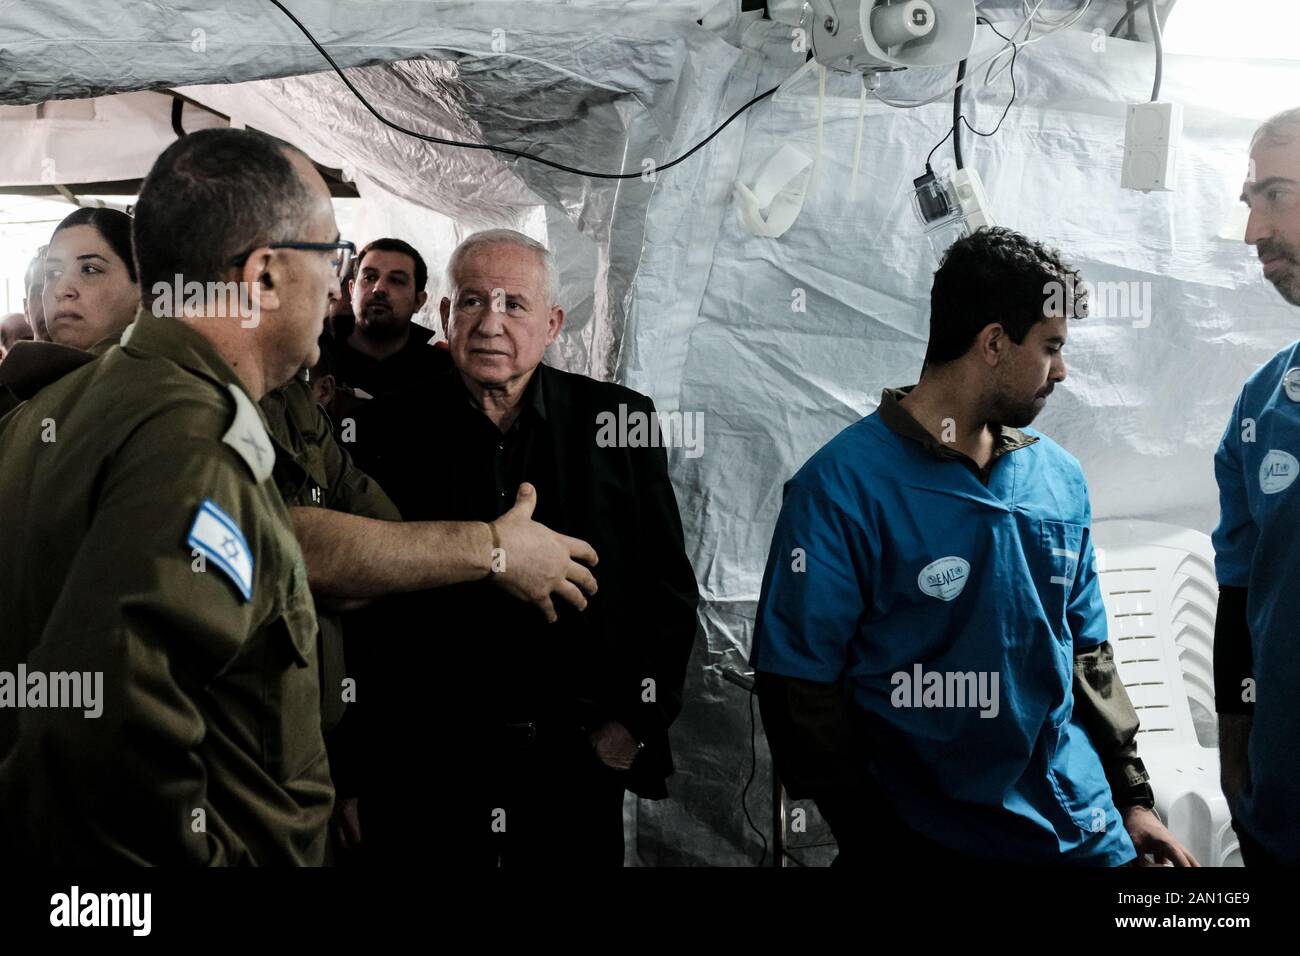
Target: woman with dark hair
(91,289)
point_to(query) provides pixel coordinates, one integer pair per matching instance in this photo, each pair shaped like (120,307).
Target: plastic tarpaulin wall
(65,142)
(684,304)
(531,76)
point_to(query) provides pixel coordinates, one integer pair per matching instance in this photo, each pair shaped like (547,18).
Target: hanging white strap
(857,146)
(771,205)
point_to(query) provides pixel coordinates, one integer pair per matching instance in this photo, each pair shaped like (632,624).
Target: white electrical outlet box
(1151,138)
(971,199)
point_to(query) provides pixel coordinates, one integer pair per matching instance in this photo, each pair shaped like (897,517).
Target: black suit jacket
(640,625)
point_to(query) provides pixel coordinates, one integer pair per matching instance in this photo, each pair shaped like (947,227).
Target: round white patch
(945,578)
(1291,384)
(1277,471)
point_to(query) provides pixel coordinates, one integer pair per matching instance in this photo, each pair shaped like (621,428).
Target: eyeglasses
(340,262)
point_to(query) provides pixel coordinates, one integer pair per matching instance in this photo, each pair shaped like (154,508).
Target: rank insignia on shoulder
(215,534)
(248,437)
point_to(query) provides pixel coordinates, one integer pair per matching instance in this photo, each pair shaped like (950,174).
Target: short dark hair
(396,245)
(996,275)
(112,224)
(211,196)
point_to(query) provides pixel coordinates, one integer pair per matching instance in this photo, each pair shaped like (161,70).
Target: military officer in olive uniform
(147,542)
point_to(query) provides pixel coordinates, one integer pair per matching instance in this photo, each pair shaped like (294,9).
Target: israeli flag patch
(215,535)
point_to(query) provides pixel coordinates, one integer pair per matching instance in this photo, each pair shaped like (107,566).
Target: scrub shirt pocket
(1055,566)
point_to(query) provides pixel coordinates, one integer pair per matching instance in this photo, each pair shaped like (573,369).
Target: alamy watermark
(130,910)
(71,689)
(946,689)
(236,300)
(1129,301)
(638,429)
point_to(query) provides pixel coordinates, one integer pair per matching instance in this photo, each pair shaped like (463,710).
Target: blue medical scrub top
(906,559)
(1257,546)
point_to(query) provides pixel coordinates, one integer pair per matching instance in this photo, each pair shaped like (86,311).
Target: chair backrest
(1160,592)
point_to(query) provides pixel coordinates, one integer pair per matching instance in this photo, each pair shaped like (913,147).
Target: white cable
(970,75)
(817,160)
(1058,26)
(857,146)
(1059,22)
(1026,24)
(938,96)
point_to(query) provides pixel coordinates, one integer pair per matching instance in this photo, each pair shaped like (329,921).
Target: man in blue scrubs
(1257,547)
(931,645)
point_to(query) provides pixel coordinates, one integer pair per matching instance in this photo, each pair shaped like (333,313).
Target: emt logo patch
(215,534)
(1277,471)
(1291,384)
(944,579)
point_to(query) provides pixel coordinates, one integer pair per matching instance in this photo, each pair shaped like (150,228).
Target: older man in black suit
(540,727)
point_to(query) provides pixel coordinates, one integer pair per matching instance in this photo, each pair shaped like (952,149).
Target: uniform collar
(294,458)
(174,340)
(27,370)
(30,366)
(901,422)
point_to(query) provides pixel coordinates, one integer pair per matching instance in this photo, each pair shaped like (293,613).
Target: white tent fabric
(63,141)
(672,295)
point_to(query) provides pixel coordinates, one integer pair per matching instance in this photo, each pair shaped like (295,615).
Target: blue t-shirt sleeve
(1086,613)
(1236,535)
(813,596)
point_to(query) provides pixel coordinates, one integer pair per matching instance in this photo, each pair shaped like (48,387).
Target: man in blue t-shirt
(931,645)
(1256,656)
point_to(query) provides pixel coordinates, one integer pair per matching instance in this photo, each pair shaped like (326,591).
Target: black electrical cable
(936,147)
(1160,50)
(753,768)
(957,118)
(506,149)
(1127,18)
(1015,51)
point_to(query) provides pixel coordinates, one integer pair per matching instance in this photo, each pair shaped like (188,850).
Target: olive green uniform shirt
(313,471)
(208,749)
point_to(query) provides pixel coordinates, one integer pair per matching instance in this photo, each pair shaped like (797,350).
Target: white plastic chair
(1158,585)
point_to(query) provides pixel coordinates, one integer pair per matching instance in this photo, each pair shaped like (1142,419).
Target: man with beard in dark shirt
(385,351)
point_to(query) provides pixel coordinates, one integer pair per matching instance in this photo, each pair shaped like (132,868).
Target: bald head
(1272,191)
(1282,129)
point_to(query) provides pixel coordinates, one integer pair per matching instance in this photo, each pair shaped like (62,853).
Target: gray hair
(1282,129)
(490,237)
